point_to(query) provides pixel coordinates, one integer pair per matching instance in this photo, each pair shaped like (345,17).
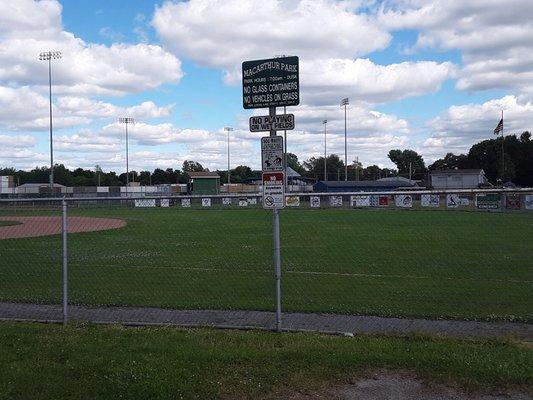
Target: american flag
(499,127)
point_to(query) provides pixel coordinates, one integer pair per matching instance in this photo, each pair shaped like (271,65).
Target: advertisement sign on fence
(403,200)
(383,201)
(453,200)
(273,190)
(512,201)
(528,202)
(360,201)
(314,202)
(488,201)
(430,200)
(292,201)
(335,201)
(185,202)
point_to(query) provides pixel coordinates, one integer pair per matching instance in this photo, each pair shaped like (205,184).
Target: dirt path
(393,385)
(51,225)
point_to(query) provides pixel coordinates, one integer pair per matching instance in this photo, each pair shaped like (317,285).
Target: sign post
(272,83)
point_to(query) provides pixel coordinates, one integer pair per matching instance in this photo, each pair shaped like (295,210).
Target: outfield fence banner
(438,262)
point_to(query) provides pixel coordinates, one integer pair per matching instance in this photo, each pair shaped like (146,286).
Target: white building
(458,179)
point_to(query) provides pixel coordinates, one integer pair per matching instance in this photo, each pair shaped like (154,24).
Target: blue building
(381,185)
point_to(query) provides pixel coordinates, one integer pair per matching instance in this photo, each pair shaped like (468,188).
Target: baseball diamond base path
(51,225)
(327,323)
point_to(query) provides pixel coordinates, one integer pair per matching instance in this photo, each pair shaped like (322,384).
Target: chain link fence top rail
(457,262)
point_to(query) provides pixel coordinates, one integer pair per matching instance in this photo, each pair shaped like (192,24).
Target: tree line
(516,166)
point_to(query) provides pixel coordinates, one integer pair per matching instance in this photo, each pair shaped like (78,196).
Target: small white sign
(292,201)
(360,201)
(226,201)
(273,190)
(145,203)
(243,202)
(453,200)
(314,202)
(206,202)
(252,201)
(430,200)
(185,202)
(165,203)
(335,201)
(265,123)
(403,200)
(272,153)
(528,202)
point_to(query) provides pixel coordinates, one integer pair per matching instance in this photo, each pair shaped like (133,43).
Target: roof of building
(457,171)
(292,173)
(39,185)
(397,183)
(203,174)
(397,179)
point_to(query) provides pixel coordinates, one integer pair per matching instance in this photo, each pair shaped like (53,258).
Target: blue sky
(428,75)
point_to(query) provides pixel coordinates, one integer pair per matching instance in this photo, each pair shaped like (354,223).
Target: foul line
(347,274)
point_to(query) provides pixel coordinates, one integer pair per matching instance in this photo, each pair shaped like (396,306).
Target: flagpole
(503,154)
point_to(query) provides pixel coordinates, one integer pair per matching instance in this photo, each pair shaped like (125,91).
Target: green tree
(451,161)
(292,161)
(241,173)
(408,159)
(314,167)
(192,166)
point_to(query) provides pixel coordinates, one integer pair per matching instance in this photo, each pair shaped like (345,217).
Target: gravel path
(330,323)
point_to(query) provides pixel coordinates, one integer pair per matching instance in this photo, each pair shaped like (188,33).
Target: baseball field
(429,264)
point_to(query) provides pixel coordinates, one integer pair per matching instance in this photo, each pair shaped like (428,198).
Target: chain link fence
(445,263)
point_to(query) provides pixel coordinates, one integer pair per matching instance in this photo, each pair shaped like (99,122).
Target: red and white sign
(273,190)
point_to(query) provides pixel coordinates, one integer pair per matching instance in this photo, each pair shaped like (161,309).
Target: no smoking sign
(273,190)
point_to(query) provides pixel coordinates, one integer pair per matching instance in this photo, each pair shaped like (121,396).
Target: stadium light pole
(228,129)
(345,102)
(325,122)
(127,121)
(49,56)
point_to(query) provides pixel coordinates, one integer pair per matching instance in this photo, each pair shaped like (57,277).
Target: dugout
(204,183)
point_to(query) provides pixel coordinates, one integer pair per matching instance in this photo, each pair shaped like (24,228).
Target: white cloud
(29,28)
(15,114)
(459,127)
(495,38)
(326,80)
(325,34)
(19,141)
(223,33)
(86,141)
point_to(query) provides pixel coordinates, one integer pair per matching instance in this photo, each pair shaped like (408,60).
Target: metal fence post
(64,228)
(277,265)
(276,243)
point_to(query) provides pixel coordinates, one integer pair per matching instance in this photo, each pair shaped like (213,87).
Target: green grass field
(436,264)
(109,362)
